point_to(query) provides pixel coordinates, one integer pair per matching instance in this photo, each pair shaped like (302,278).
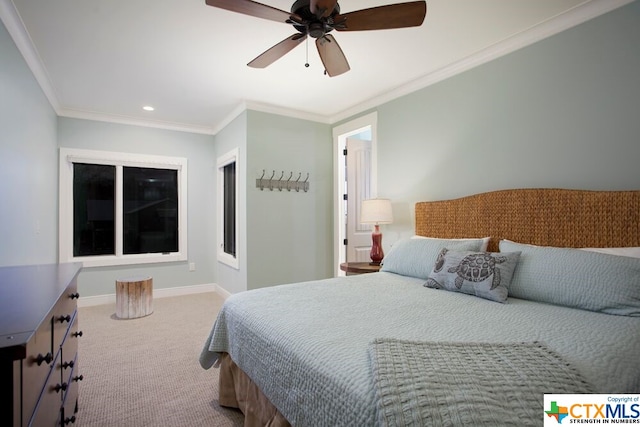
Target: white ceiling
(105,60)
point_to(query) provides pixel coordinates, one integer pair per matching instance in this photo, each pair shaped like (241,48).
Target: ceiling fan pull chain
(306,64)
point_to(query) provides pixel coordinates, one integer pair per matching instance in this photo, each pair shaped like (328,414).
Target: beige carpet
(145,371)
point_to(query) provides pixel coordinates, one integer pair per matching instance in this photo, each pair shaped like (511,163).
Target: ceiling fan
(317,18)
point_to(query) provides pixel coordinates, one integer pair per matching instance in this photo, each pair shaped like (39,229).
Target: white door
(359,188)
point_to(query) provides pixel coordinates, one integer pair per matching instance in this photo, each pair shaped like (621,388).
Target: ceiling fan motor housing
(315,27)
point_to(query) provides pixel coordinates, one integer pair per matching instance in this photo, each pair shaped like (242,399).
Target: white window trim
(68,156)
(224,160)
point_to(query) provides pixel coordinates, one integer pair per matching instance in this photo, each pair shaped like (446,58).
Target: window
(227,208)
(120,208)
(150,210)
(94,191)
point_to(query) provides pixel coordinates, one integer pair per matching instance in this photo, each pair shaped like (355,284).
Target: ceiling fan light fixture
(316,30)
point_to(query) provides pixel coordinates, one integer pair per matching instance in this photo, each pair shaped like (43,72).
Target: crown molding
(239,109)
(283,111)
(134,121)
(272,109)
(17,30)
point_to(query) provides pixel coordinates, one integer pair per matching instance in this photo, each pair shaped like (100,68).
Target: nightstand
(359,267)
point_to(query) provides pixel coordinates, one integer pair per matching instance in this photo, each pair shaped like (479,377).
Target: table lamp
(376,211)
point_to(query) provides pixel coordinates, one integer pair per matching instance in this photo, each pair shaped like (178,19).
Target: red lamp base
(376,249)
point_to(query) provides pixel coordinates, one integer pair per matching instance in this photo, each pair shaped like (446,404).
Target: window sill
(229,260)
(107,261)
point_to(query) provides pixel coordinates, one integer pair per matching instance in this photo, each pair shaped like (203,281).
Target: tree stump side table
(134,297)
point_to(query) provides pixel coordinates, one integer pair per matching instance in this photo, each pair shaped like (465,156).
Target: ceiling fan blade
(401,15)
(252,8)
(277,51)
(322,8)
(333,59)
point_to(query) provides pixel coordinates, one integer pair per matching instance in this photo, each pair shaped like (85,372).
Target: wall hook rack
(282,183)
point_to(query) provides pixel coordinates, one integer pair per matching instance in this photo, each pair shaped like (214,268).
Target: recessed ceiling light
(148,108)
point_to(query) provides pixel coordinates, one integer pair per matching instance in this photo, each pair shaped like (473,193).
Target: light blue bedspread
(306,345)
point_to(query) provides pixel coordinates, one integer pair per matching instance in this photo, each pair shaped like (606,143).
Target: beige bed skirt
(238,391)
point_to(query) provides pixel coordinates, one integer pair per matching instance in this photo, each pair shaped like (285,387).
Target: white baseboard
(157,293)
(223,292)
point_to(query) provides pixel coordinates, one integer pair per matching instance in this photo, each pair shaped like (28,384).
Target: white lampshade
(376,211)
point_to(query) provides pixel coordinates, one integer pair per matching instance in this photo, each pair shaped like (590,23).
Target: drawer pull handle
(66,365)
(63,319)
(77,334)
(47,358)
(70,420)
(59,387)
(78,378)
(74,295)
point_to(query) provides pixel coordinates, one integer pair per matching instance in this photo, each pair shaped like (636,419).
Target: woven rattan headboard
(541,216)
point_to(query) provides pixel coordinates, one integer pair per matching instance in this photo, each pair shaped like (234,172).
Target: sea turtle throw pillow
(483,274)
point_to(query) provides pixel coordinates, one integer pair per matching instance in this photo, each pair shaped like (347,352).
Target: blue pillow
(416,257)
(575,278)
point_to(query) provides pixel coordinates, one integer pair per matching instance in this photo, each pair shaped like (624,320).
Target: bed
(492,304)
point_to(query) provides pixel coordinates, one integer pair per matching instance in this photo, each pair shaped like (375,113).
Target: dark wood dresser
(39,345)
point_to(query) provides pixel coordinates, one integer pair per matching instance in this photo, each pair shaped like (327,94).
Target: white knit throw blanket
(479,384)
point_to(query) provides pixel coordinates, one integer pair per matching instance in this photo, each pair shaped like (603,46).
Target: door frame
(340,135)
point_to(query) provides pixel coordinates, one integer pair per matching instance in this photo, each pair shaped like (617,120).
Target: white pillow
(630,251)
(483,247)
(633,252)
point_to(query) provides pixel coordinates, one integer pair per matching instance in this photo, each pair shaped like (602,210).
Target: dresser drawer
(36,367)
(69,354)
(48,407)
(70,400)
(63,313)
(70,344)
(70,373)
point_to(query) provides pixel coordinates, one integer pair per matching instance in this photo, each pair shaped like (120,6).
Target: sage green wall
(234,136)
(28,168)
(289,233)
(200,153)
(564,112)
